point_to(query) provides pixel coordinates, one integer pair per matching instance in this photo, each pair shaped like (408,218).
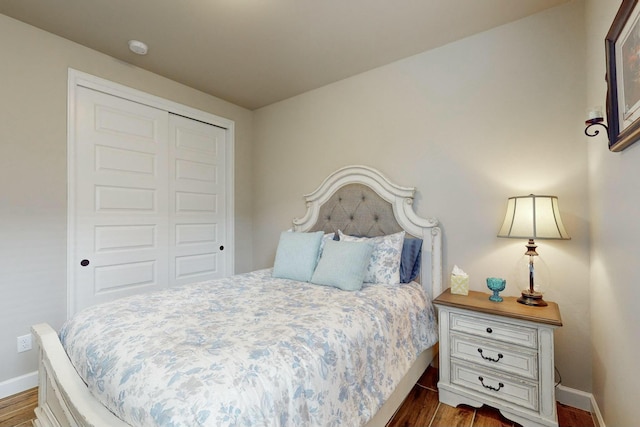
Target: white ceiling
(257,52)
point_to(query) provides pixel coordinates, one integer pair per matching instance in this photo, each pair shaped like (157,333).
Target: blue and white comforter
(250,350)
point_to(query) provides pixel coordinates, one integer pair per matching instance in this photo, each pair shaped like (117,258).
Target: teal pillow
(297,255)
(343,265)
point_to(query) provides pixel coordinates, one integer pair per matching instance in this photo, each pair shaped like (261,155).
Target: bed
(298,350)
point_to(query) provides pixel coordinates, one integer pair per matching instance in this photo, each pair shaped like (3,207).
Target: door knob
(84,262)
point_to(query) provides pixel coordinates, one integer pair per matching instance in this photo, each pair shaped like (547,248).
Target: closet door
(197,201)
(148,199)
(119,189)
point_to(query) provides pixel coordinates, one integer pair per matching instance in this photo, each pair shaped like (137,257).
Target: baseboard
(18,384)
(581,400)
(595,413)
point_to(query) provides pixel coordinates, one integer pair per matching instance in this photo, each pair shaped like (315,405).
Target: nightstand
(499,354)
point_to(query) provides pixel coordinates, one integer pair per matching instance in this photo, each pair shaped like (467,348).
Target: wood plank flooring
(17,410)
(420,409)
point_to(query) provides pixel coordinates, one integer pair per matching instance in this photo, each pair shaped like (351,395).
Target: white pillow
(384,265)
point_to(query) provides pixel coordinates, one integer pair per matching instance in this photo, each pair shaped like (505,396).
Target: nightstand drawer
(490,329)
(511,360)
(495,385)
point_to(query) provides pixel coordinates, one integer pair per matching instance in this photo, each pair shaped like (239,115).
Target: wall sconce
(595,118)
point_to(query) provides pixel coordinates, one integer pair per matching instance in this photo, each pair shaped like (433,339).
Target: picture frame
(622,48)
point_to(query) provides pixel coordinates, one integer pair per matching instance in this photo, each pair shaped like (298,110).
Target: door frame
(80,79)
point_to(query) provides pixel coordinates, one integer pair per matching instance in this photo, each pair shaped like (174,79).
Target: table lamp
(533,217)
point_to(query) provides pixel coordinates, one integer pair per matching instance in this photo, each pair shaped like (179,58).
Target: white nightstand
(498,354)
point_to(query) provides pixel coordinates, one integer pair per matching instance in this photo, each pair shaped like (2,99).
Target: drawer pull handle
(500,356)
(489,330)
(500,385)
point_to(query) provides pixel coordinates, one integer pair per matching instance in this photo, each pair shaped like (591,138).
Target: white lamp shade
(533,217)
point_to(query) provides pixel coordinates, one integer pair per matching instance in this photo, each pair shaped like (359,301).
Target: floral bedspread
(250,350)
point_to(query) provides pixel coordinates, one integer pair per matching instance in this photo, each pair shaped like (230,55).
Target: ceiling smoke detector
(138,47)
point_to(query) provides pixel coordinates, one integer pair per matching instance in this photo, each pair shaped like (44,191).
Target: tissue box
(459,285)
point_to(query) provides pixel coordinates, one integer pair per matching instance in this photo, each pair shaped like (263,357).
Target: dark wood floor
(420,409)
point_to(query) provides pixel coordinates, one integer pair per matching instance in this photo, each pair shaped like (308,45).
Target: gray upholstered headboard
(357,210)
(360,201)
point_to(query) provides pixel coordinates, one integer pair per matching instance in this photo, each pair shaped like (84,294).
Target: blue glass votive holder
(497,285)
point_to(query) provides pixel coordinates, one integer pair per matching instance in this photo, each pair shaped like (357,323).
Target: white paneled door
(197,200)
(147,191)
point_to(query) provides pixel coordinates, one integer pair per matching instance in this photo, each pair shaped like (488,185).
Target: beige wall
(33,190)
(469,124)
(614,190)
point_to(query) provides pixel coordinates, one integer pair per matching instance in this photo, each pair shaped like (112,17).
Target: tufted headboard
(360,201)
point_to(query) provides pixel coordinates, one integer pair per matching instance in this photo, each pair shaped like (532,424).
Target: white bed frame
(64,400)
(401,200)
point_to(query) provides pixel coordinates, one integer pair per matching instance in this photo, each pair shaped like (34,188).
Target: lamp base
(532,298)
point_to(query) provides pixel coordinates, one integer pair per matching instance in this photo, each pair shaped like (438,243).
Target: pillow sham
(297,255)
(384,265)
(410,260)
(343,265)
(325,237)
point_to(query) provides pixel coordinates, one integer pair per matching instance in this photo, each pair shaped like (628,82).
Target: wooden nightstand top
(510,307)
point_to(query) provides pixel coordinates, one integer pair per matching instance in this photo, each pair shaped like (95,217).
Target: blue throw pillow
(297,255)
(343,265)
(410,260)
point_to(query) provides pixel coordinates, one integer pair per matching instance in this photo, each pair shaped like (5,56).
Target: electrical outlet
(24,343)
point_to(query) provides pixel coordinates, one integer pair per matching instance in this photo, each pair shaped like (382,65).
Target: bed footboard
(63,398)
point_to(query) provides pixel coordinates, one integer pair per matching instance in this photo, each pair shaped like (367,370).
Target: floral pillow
(384,265)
